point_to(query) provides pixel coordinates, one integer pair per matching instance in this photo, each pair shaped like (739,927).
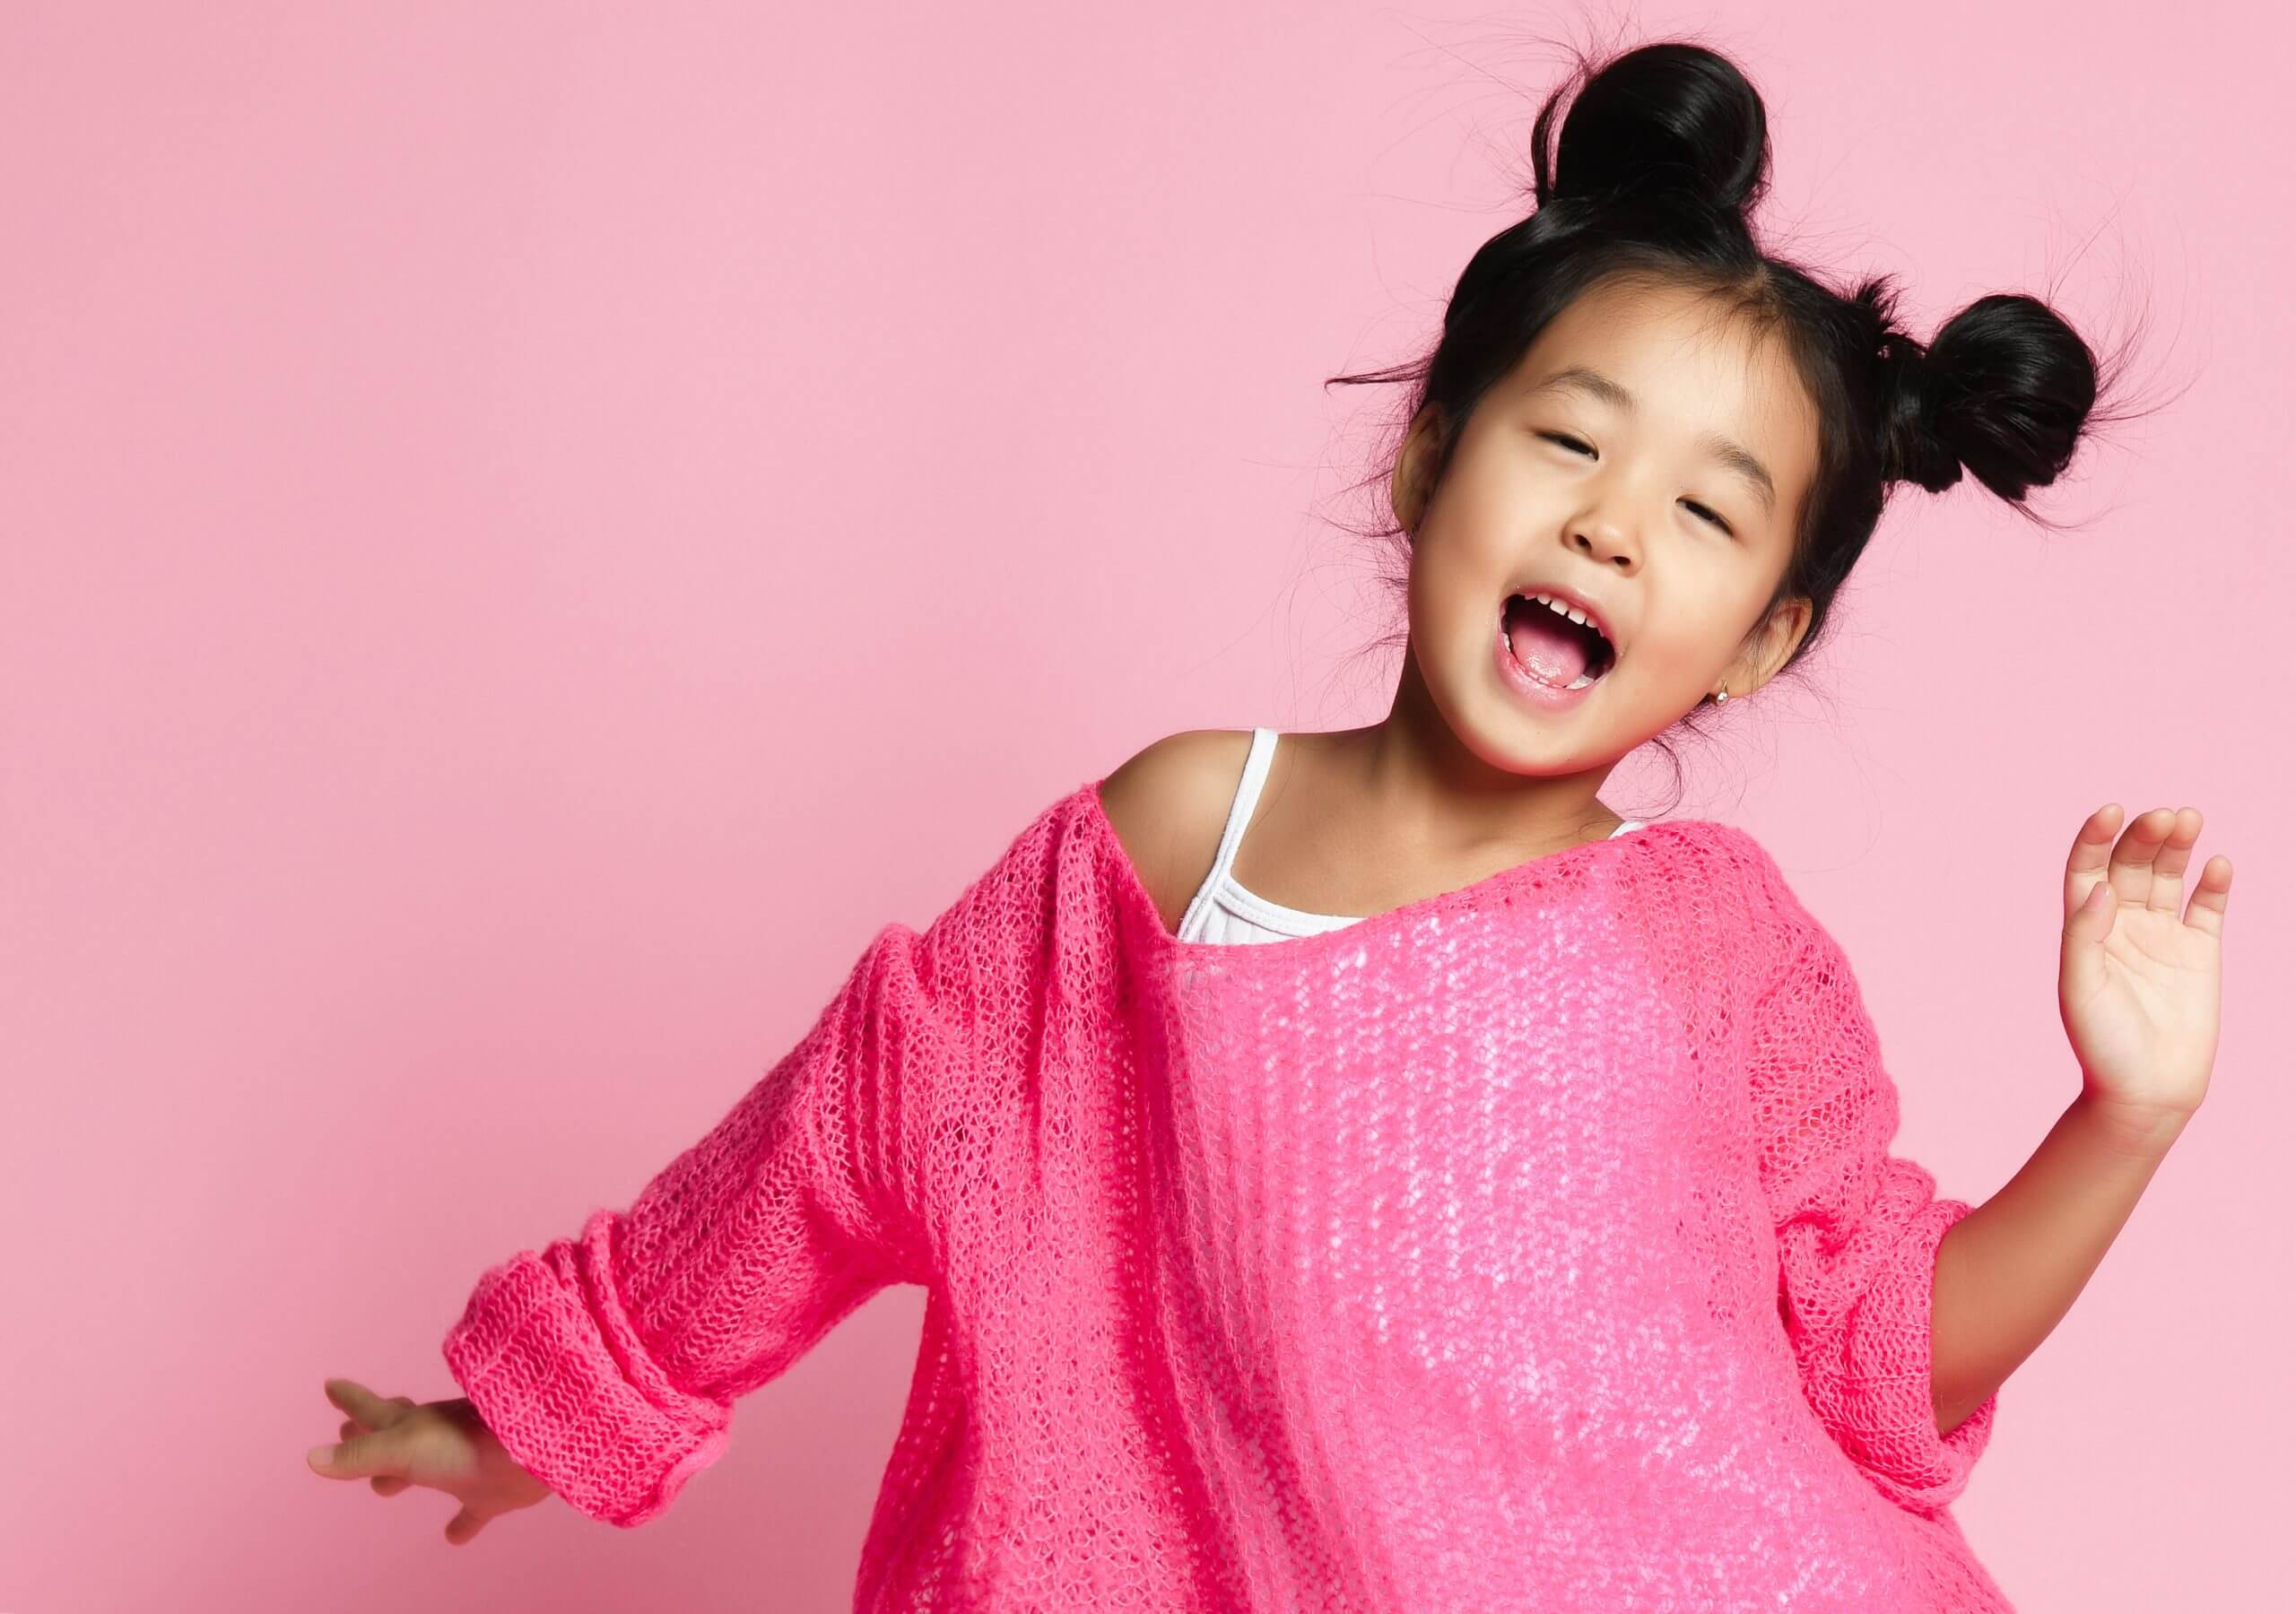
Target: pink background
(531,531)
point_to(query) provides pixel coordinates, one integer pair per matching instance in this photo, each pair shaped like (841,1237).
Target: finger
(328,1459)
(464,1525)
(359,1457)
(375,1411)
(2131,869)
(2206,910)
(2167,894)
(385,1485)
(2092,846)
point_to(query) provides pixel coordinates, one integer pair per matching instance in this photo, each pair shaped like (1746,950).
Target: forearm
(2008,1271)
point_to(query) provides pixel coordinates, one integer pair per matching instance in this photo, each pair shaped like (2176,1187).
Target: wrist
(2137,1131)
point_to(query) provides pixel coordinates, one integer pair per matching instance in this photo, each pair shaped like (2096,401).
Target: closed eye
(1568,442)
(1708,515)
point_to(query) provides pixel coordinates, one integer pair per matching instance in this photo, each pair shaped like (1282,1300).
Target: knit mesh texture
(1534,1247)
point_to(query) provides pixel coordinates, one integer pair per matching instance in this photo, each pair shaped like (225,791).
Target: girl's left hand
(2138,983)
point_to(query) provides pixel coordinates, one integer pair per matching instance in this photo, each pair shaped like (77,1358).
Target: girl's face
(1647,457)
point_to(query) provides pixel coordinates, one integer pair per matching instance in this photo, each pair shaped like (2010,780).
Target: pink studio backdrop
(531,531)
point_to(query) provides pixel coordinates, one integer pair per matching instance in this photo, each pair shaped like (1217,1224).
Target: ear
(1413,483)
(1771,646)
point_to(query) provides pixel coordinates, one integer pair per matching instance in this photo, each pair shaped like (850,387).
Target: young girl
(1358,1171)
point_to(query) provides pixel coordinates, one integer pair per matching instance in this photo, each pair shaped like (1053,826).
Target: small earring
(1723,696)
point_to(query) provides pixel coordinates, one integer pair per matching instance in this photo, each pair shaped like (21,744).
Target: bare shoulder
(1168,804)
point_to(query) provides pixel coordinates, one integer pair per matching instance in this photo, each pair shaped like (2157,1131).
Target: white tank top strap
(1240,814)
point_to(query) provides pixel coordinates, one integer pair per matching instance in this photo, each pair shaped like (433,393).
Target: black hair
(1664,153)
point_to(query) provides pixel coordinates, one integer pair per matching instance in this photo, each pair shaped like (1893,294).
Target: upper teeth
(1572,611)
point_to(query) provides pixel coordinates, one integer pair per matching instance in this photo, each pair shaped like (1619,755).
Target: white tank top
(1224,911)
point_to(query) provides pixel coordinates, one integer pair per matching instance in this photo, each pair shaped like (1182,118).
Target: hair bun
(1912,450)
(2003,389)
(1670,117)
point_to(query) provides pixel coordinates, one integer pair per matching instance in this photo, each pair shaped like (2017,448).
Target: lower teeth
(1579,682)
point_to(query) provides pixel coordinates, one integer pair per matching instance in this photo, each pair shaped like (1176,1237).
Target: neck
(1415,773)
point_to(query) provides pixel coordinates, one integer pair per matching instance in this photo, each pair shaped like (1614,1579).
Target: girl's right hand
(393,1443)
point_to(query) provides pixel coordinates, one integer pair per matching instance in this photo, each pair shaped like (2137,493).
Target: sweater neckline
(1474,895)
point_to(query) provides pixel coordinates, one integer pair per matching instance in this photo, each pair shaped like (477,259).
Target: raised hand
(393,1443)
(2140,972)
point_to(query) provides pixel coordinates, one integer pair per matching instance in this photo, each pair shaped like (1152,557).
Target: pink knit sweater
(1535,1245)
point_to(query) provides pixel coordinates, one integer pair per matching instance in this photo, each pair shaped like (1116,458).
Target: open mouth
(1553,647)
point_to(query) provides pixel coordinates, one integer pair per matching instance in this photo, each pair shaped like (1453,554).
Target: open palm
(2140,974)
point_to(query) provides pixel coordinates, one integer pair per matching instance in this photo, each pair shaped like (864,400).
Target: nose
(1601,536)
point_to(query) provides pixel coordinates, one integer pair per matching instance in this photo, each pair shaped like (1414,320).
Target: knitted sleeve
(1858,1229)
(607,1363)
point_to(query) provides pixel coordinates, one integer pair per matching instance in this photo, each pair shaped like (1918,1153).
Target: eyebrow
(1732,455)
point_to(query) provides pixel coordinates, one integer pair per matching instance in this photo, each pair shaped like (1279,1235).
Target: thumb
(2092,921)
(2085,930)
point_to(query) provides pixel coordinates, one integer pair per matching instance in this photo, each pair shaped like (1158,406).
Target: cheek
(1453,581)
(1682,647)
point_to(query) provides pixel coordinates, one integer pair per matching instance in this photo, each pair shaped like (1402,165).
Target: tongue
(1545,645)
